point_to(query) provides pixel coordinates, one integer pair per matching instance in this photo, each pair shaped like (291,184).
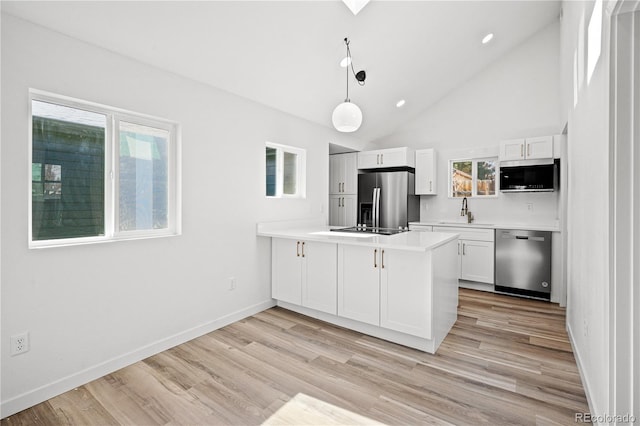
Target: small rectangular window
(98,173)
(473,177)
(285,171)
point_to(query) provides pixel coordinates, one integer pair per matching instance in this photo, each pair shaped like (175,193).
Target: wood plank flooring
(506,361)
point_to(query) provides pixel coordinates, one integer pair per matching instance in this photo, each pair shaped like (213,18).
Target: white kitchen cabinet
(426,172)
(477,261)
(476,253)
(392,157)
(343,210)
(359,283)
(343,173)
(527,149)
(304,273)
(405,292)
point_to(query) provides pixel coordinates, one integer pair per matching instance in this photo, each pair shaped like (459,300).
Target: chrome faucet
(465,211)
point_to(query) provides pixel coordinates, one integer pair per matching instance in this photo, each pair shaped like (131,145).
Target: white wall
(588,302)
(517,96)
(91,309)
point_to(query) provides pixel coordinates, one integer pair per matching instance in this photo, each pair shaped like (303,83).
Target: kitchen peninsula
(402,288)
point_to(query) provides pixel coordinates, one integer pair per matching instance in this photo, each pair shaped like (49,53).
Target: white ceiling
(285,54)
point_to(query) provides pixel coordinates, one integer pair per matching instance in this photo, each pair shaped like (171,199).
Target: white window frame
(474,176)
(111,182)
(301,170)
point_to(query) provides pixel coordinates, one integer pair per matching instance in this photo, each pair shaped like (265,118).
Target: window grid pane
(143,177)
(486,178)
(290,175)
(271,160)
(67,172)
(461,178)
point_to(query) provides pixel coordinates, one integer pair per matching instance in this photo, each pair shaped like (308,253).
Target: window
(99,174)
(285,171)
(473,178)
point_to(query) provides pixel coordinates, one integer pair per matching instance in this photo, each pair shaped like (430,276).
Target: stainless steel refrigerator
(387,199)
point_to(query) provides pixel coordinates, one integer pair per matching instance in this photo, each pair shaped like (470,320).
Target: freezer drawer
(523,262)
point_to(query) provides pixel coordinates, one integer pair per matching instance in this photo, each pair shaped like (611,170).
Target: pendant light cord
(346,41)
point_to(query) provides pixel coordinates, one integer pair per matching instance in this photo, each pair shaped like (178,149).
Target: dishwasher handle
(521,237)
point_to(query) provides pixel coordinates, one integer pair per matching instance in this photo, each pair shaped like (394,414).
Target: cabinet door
(350,178)
(320,277)
(369,159)
(336,211)
(336,174)
(359,283)
(405,292)
(541,147)
(286,270)
(397,157)
(350,210)
(512,150)
(425,172)
(477,261)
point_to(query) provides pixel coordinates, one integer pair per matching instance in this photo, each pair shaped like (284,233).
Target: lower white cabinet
(477,261)
(343,210)
(385,287)
(476,253)
(359,283)
(406,292)
(304,273)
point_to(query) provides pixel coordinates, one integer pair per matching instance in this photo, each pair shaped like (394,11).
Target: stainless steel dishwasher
(523,263)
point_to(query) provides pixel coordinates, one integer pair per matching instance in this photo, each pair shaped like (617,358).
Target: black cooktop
(370,230)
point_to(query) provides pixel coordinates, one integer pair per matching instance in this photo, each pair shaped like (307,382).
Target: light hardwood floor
(506,361)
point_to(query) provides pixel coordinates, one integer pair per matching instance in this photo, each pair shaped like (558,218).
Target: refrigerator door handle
(377,207)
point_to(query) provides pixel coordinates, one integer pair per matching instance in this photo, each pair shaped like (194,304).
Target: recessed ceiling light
(400,103)
(345,62)
(487,38)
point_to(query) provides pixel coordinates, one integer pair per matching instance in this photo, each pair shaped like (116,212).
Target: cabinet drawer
(423,228)
(474,234)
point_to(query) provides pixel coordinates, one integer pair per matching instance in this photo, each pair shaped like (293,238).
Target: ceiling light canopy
(347,116)
(355,6)
(487,38)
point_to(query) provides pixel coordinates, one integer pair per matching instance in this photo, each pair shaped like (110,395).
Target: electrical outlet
(232,283)
(19,343)
(529,206)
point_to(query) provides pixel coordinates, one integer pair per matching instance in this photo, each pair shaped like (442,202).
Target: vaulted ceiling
(286,54)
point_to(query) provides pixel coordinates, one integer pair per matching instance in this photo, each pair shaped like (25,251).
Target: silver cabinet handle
(528,150)
(458,248)
(382,259)
(303,249)
(375,258)
(381,158)
(377,158)
(521,150)
(430,186)
(298,249)
(463,249)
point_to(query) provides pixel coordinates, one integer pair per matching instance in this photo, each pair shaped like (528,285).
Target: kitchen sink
(342,234)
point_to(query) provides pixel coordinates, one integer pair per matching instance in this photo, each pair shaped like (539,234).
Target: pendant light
(347,116)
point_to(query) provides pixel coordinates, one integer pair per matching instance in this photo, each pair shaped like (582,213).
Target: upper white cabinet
(343,173)
(343,210)
(304,273)
(392,157)
(426,172)
(527,149)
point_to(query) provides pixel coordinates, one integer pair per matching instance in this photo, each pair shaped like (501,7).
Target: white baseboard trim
(48,391)
(585,383)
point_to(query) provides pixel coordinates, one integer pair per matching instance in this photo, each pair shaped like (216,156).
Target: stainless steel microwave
(530,178)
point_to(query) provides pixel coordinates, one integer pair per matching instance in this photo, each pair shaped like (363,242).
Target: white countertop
(553,227)
(413,241)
